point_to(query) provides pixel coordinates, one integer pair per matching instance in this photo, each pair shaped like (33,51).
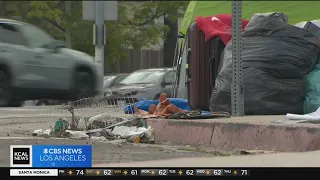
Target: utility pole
(237,91)
(99,38)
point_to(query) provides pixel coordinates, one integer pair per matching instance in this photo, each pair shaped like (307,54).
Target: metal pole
(237,97)
(99,38)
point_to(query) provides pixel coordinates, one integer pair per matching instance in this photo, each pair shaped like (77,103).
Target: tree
(138,21)
(169,45)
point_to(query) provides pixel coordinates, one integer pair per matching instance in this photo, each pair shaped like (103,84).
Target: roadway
(17,125)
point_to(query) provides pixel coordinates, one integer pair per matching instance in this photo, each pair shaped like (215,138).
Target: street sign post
(100,11)
(110,10)
(237,91)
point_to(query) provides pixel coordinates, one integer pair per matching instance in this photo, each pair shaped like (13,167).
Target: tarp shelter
(297,11)
(309,9)
(196,8)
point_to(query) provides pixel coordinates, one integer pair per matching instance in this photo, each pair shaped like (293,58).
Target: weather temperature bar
(153,172)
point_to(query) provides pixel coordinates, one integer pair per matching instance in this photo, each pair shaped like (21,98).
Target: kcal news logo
(21,156)
(51,156)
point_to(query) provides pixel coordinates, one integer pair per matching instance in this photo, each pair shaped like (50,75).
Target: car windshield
(107,81)
(36,36)
(142,77)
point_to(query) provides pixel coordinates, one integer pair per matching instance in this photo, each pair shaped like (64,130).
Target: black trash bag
(276,57)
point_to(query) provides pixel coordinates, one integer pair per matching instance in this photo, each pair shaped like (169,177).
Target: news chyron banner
(50,156)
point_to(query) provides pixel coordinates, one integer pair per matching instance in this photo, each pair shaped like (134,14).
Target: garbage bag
(276,57)
(312,91)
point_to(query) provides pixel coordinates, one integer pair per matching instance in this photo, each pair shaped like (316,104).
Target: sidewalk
(248,132)
(306,159)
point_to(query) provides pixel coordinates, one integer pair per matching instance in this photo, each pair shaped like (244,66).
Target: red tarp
(219,25)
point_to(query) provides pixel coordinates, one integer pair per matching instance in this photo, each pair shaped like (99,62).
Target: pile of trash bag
(276,57)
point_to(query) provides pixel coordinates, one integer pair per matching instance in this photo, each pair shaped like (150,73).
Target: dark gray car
(146,84)
(112,80)
(34,66)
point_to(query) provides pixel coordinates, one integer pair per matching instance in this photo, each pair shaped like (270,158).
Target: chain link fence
(112,107)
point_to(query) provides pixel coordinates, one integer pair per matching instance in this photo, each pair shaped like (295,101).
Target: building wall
(137,59)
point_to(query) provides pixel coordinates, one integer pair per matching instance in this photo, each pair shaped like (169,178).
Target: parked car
(145,83)
(110,81)
(33,66)
(48,102)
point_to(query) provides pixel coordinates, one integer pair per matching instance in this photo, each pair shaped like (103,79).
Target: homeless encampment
(276,57)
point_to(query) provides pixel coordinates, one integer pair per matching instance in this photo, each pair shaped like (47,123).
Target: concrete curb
(235,133)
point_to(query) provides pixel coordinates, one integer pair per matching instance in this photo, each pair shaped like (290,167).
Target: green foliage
(44,10)
(137,27)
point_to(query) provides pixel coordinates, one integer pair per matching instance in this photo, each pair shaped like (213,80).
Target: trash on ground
(81,126)
(103,121)
(313,117)
(100,138)
(289,121)
(37,132)
(134,139)
(199,115)
(250,152)
(101,127)
(125,131)
(40,132)
(61,125)
(77,134)
(98,117)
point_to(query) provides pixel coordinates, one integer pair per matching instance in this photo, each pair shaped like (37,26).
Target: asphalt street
(17,125)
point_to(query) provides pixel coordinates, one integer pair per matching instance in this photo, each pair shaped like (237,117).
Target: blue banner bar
(61,156)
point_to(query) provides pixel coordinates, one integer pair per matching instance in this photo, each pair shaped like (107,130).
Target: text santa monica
(62,151)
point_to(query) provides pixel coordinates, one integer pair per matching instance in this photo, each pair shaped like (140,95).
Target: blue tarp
(145,104)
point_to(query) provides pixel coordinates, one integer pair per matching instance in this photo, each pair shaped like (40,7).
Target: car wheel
(83,85)
(4,89)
